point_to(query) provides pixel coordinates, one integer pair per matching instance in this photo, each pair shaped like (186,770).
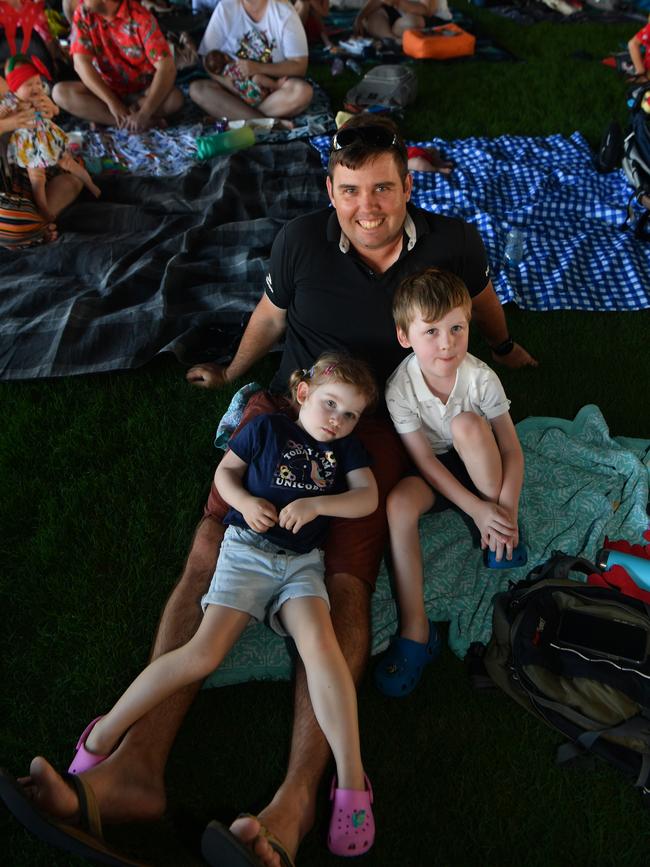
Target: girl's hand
(295,515)
(259,514)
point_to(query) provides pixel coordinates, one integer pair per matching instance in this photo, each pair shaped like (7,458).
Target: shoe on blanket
(83,759)
(84,841)
(352,825)
(400,668)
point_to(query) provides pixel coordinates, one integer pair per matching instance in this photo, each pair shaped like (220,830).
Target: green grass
(104,478)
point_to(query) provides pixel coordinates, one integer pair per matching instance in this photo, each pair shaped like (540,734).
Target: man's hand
(208,375)
(119,111)
(517,357)
(259,514)
(138,120)
(295,515)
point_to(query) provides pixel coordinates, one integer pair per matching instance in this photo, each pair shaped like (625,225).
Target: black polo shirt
(334,301)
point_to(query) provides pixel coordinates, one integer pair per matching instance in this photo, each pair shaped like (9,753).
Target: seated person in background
(38,147)
(638,48)
(311,13)
(388,19)
(264,37)
(20,223)
(451,413)
(126,69)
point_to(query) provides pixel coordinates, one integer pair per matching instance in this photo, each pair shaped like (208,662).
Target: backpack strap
(637,726)
(560,564)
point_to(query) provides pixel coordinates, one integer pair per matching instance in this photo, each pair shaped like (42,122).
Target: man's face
(370,202)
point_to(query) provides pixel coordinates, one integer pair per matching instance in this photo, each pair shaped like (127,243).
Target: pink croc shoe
(352,826)
(83,760)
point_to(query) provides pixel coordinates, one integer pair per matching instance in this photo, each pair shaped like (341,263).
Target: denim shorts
(256,576)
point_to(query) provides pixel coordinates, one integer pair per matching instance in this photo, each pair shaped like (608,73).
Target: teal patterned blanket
(580,485)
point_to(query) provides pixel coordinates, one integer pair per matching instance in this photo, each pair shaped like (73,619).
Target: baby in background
(452,414)
(253,90)
(283,480)
(44,145)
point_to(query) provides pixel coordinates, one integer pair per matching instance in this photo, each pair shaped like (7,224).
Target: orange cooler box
(439,43)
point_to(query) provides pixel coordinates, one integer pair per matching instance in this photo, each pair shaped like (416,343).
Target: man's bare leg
(290,815)
(76,99)
(129,785)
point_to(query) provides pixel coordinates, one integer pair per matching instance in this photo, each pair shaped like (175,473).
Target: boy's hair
(430,294)
(357,154)
(337,367)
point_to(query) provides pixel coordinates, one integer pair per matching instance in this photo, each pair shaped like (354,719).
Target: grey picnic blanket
(160,263)
(580,485)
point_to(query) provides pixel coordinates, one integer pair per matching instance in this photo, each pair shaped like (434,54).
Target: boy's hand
(259,514)
(496,524)
(501,550)
(295,515)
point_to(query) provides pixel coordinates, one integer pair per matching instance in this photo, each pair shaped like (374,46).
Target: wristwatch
(504,348)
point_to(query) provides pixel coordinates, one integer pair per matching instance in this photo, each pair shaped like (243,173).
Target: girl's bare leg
(330,684)
(219,630)
(69,164)
(37,179)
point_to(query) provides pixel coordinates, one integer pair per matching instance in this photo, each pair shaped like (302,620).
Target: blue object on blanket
(232,416)
(519,558)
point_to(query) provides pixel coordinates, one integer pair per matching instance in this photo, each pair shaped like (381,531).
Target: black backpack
(576,656)
(636,161)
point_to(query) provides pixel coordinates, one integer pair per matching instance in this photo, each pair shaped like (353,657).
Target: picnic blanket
(575,255)
(161,263)
(580,485)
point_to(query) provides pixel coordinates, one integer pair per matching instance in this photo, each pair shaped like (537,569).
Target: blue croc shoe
(400,668)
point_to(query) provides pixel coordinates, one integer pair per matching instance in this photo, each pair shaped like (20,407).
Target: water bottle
(638,568)
(514,252)
(224,142)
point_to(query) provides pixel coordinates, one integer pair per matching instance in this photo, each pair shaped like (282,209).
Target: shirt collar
(423,392)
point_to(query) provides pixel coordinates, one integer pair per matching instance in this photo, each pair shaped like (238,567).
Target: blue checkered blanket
(575,255)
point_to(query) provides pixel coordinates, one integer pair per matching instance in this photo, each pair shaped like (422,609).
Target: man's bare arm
(265,327)
(488,315)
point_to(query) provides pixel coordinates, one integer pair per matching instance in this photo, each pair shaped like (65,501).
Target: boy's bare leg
(290,814)
(129,785)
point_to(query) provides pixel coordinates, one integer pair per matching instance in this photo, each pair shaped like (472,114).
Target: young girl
(282,480)
(45,144)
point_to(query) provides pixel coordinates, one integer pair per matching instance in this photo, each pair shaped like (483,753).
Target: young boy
(452,415)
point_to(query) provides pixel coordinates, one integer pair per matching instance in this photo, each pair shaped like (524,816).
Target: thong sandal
(85,841)
(220,847)
(400,668)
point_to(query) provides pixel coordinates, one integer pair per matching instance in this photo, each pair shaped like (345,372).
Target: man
(266,38)
(126,69)
(330,285)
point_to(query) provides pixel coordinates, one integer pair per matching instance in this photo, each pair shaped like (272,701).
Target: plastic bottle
(638,568)
(224,142)
(514,252)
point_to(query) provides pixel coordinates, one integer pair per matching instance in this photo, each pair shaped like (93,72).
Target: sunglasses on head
(375,136)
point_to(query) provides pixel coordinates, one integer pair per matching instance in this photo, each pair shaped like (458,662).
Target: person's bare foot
(289,816)
(50,233)
(247,830)
(125,791)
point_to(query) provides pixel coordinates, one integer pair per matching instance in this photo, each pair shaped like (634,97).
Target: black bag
(576,656)
(636,162)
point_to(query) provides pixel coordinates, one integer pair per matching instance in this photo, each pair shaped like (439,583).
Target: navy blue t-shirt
(285,464)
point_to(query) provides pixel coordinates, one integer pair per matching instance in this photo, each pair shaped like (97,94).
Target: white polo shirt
(412,406)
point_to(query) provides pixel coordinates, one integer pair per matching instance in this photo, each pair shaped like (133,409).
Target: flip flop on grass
(219,846)
(87,844)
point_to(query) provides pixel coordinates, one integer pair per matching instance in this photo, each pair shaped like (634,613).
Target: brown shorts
(354,545)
